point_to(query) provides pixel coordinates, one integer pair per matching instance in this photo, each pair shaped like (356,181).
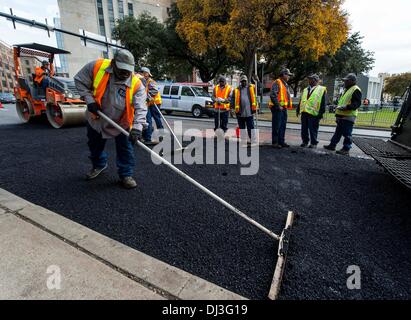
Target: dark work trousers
(124,148)
(279,125)
(223,120)
(344,129)
(244,122)
(152,112)
(309,128)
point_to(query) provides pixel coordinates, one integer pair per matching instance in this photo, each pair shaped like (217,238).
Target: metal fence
(372,116)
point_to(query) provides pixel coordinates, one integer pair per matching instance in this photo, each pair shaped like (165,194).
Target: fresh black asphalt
(350,212)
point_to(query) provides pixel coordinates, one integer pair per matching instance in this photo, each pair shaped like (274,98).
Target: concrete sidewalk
(46,256)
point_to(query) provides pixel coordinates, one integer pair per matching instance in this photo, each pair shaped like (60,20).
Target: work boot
(343,152)
(95,172)
(128,182)
(284,145)
(304,145)
(276,146)
(329,147)
(313,146)
(150,143)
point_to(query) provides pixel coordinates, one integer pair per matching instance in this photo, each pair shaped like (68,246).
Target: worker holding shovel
(109,86)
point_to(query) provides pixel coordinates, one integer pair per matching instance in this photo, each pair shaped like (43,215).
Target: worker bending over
(222,95)
(346,114)
(280,102)
(153,97)
(111,87)
(312,108)
(245,105)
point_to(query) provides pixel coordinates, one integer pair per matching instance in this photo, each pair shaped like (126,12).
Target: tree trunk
(249,57)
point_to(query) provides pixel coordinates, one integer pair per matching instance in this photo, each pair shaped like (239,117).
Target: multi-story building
(7,78)
(99,17)
(63,68)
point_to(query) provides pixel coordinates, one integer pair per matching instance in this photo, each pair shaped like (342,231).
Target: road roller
(59,102)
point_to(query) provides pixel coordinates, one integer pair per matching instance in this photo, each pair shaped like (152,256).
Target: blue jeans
(309,128)
(344,129)
(223,120)
(124,148)
(279,125)
(246,121)
(152,112)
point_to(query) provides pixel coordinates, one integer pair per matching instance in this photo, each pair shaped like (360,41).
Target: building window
(121,9)
(111,14)
(130,10)
(100,12)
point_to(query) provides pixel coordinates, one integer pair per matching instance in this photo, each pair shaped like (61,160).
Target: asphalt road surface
(350,212)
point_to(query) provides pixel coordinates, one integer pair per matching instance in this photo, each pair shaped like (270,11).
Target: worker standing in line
(346,114)
(111,87)
(245,105)
(222,94)
(312,108)
(43,74)
(280,102)
(153,97)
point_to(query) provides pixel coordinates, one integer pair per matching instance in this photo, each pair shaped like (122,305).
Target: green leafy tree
(144,37)
(397,84)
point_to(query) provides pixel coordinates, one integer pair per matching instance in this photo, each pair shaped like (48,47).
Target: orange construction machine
(59,99)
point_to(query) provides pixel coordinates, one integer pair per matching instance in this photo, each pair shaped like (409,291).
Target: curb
(166,280)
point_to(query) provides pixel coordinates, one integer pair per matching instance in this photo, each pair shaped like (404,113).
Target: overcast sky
(386,28)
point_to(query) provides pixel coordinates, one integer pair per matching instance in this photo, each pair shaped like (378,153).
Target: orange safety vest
(100,81)
(223,94)
(39,75)
(237,99)
(157,98)
(282,97)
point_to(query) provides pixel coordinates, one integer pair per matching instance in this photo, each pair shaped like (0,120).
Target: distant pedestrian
(312,108)
(346,115)
(280,102)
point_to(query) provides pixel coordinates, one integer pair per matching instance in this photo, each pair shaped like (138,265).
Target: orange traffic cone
(237,132)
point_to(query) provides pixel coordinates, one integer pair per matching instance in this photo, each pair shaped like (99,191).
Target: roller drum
(65,115)
(24,110)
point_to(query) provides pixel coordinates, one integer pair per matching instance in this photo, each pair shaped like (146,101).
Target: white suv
(186,98)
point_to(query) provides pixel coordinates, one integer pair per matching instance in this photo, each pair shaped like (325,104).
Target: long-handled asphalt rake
(283,239)
(180,146)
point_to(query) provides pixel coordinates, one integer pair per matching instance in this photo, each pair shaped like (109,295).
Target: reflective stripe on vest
(282,96)
(312,105)
(157,98)
(238,99)
(223,94)
(345,100)
(100,81)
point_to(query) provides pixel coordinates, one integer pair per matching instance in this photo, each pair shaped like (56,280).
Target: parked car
(7,98)
(186,97)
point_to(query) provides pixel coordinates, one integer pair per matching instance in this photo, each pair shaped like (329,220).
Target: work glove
(135,135)
(93,108)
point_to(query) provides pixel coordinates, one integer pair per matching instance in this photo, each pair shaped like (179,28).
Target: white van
(186,97)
